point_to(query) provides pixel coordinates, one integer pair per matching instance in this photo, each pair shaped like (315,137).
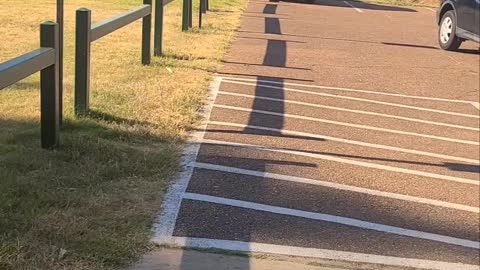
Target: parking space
(336,130)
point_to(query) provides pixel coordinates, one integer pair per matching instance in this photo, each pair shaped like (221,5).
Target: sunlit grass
(96,196)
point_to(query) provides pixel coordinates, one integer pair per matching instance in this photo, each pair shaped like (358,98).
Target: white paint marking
(476,105)
(354,98)
(328,138)
(346,161)
(348,124)
(165,224)
(253,247)
(352,111)
(334,219)
(352,6)
(350,90)
(427,8)
(333,185)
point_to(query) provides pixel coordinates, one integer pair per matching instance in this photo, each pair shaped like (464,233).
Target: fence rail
(21,67)
(104,28)
(45,60)
(86,34)
(48,59)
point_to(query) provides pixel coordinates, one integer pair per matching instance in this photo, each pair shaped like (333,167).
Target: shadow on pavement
(459,167)
(264,133)
(408,45)
(231,223)
(357,4)
(273,78)
(468,51)
(275,56)
(361,41)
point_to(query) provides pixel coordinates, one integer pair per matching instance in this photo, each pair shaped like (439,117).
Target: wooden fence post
(185,15)
(60,19)
(82,61)
(158,31)
(49,89)
(146,35)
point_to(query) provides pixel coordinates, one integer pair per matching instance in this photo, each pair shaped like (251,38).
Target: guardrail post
(158,31)
(203,6)
(200,13)
(146,34)
(185,15)
(60,12)
(82,61)
(190,13)
(49,89)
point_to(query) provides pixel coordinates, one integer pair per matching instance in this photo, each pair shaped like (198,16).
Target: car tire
(447,36)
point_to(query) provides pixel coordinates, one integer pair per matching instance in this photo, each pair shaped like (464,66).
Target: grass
(90,203)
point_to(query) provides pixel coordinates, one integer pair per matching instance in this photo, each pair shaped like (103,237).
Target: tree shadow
(273,78)
(265,65)
(471,51)
(266,39)
(459,167)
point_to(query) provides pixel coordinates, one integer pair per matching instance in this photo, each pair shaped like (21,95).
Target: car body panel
(467,13)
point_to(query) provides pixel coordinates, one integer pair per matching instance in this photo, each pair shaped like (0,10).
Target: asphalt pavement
(336,130)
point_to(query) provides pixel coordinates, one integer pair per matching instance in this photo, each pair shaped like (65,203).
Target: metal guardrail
(46,60)
(86,34)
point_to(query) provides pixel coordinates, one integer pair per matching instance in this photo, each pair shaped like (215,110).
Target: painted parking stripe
(346,161)
(354,98)
(165,224)
(348,124)
(335,139)
(350,110)
(352,6)
(334,219)
(333,185)
(352,90)
(254,247)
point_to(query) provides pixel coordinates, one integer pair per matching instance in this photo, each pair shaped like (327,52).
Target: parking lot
(336,130)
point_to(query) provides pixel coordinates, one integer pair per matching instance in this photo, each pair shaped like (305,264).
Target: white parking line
(334,185)
(352,111)
(348,124)
(334,219)
(351,5)
(431,9)
(350,90)
(253,247)
(354,98)
(335,139)
(346,161)
(476,105)
(165,224)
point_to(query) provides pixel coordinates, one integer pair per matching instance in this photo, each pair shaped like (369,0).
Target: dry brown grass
(97,194)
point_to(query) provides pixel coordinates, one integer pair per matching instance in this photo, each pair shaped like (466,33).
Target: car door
(467,15)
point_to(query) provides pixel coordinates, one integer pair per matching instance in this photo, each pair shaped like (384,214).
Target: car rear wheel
(447,32)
